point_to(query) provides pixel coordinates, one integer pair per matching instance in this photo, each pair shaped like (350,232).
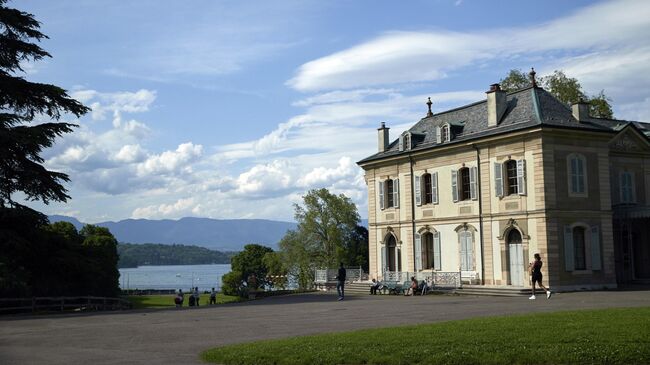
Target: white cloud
(264,180)
(130,153)
(116,102)
(322,176)
(400,57)
(171,162)
(180,208)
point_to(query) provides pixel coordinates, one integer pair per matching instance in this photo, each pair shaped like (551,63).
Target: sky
(235,109)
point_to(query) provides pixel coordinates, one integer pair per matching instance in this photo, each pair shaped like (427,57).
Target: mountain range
(216,234)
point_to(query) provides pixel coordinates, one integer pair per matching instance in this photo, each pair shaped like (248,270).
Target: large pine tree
(21,101)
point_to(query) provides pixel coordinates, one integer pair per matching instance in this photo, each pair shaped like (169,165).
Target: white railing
(329,275)
(440,279)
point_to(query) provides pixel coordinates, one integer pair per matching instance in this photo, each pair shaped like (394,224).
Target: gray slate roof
(526,108)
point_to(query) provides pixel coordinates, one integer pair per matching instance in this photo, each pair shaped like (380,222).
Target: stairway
(500,291)
(357,288)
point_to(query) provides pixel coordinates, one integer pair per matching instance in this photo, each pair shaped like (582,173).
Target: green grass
(167,301)
(611,336)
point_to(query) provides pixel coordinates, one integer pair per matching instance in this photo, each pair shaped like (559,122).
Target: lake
(173,277)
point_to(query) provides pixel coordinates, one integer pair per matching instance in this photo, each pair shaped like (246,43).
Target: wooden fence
(36,304)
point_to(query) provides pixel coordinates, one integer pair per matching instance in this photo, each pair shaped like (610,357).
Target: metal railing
(15,305)
(329,275)
(440,279)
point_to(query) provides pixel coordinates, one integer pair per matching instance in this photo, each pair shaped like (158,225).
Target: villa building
(479,189)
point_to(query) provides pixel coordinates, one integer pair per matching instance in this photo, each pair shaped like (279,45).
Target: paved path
(178,336)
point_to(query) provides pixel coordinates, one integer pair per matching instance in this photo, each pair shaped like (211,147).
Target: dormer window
(405,141)
(444,133)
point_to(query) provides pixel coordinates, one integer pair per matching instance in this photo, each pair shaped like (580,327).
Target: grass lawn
(611,336)
(166,301)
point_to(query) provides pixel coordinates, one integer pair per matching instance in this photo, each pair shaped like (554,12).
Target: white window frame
(579,158)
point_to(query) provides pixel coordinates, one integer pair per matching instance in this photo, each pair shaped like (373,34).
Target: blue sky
(234,109)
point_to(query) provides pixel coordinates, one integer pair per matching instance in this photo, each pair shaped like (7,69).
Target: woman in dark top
(536,276)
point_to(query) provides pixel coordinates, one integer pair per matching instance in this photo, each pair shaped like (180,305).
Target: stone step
(494,291)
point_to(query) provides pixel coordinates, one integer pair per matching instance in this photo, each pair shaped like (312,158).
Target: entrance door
(392,255)
(516,258)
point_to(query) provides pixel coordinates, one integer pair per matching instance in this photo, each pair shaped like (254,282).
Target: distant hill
(134,255)
(216,234)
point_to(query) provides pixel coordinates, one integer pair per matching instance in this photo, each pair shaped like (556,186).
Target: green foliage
(566,89)
(277,270)
(610,336)
(327,233)
(243,264)
(133,255)
(167,301)
(51,260)
(21,141)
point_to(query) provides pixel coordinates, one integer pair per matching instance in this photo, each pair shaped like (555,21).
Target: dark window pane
(465,191)
(511,180)
(579,248)
(428,199)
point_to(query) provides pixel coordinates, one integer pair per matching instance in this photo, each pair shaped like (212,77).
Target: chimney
(383,137)
(580,111)
(496,104)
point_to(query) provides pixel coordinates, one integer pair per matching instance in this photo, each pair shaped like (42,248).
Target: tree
(242,265)
(277,273)
(327,233)
(566,89)
(21,141)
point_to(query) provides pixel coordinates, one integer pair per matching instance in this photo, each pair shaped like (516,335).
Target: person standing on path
(536,276)
(213,296)
(340,283)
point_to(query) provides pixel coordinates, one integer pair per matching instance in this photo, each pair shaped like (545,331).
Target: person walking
(213,296)
(340,282)
(535,269)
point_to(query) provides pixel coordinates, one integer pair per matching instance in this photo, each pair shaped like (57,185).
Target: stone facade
(456,193)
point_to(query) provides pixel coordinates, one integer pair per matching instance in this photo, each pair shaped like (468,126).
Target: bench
(393,287)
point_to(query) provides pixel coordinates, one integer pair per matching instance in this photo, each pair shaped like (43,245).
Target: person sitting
(413,288)
(374,286)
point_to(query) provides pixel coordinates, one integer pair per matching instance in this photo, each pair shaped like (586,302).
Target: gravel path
(178,336)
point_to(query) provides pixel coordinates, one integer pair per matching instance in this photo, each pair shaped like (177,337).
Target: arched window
(391,254)
(426,186)
(511,177)
(579,257)
(514,236)
(577,171)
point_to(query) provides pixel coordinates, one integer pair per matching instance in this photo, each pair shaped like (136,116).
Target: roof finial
(532,77)
(429,113)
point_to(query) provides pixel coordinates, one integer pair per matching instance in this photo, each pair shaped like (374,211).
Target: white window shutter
(463,252)
(438,135)
(470,251)
(437,262)
(498,179)
(401,143)
(381,195)
(384,254)
(434,188)
(473,175)
(521,176)
(418,252)
(568,249)
(595,248)
(418,192)
(454,185)
(396,193)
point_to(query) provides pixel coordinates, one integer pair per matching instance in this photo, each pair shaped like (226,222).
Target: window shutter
(498,179)
(470,251)
(401,143)
(568,248)
(418,193)
(396,193)
(437,263)
(595,248)
(418,252)
(384,254)
(438,135)
(463,252)
(521,177)
(473,174)
(434,188)
(381,195)
(454,185)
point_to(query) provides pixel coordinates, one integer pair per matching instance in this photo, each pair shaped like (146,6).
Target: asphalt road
(178,336)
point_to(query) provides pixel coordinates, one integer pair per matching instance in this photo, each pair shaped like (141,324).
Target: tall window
(579,258)
(390,201)
(511,177)
(577,174)
(428,192)
(444,133)
(427,251)
(627,187)
(391,254)
(466,251)
(465,184)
